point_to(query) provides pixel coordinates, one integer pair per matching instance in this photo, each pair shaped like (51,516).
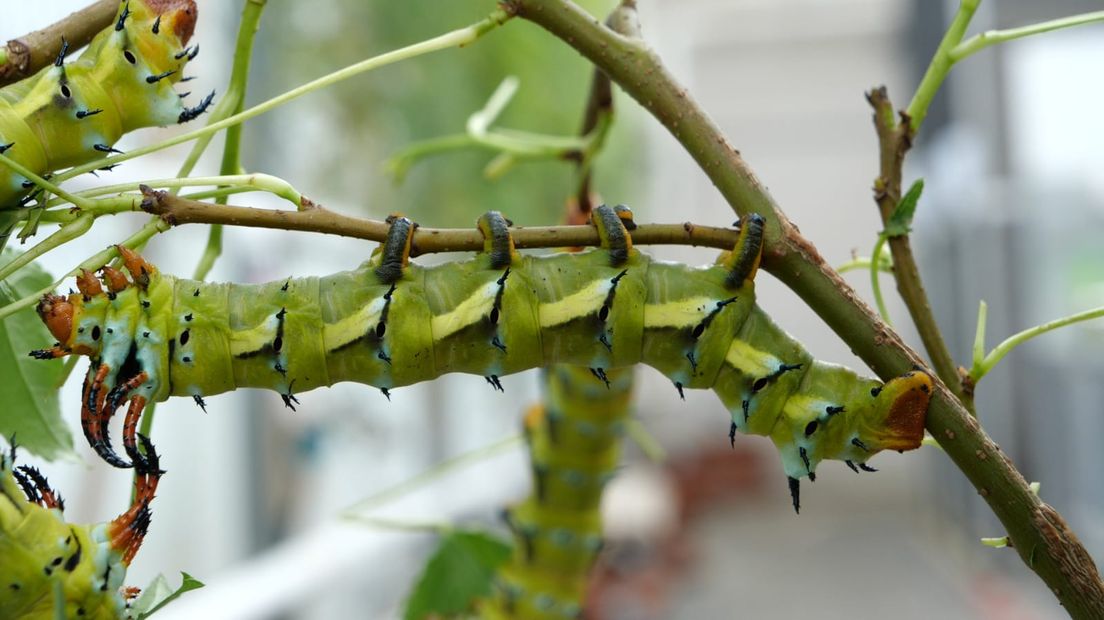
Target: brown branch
(1038,532)
(30,52)
(894,141)
(313,218)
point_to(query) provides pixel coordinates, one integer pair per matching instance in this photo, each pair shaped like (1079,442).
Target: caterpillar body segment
(606,308)
(72,113)
(574,440)
(52,568)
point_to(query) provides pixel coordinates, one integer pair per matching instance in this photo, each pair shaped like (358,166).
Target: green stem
(979,335)
(66,370)
(63,235)
(997,354)
(455,38)
(885,264)
(403,525)
(400,163)
(981,41)
(509,144)
(430,475)
(41,182)
(246,182)
(941,64)
(648,444)
(875,281)
(480,121)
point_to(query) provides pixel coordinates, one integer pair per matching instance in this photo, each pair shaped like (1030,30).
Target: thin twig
(1040,535)
(25,55)
(176,210)
(894,141)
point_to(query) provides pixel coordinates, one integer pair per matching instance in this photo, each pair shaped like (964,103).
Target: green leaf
(458,573)
(29,387)
(159,593)
(900,221)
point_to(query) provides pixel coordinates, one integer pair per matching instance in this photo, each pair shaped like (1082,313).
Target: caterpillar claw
(190,114)
(851,464)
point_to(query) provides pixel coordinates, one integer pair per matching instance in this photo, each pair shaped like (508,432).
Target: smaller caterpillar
(69,114)
(51,568)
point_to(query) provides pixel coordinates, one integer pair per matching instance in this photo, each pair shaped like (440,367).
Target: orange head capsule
(114,279)
(57,313)
(88,285)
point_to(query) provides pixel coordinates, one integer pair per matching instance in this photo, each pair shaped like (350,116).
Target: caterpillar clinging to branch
(72,113)
(391,323)
(55,569)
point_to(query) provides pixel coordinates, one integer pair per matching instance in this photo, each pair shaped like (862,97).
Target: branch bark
(30,52)
(313,218)
(1038,532)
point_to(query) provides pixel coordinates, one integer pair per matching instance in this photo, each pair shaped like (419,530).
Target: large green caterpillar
(390,323)
(54,569)
(70,114)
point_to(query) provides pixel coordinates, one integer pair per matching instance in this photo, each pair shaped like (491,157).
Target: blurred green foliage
(333,145)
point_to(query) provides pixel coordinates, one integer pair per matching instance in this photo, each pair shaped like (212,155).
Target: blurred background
(1012,214)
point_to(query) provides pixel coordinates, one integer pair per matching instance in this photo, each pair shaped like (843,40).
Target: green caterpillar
(390,323)
(575,444)
(70,114)
(54,569)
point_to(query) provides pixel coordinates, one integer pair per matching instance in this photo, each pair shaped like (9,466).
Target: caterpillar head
(177,16)
(855,424)
(77,320)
